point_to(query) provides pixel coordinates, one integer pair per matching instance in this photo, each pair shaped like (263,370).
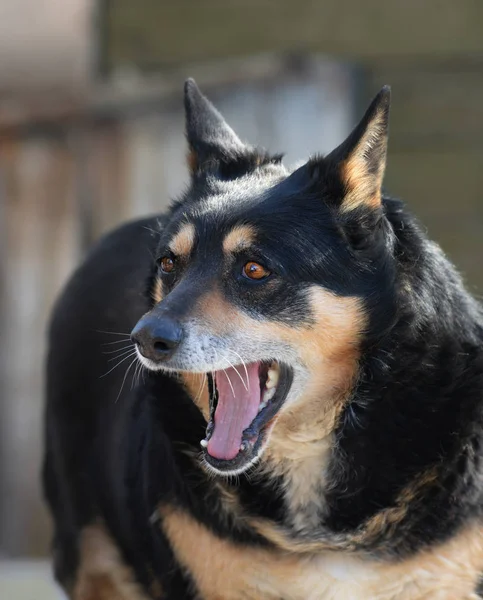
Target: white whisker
(200,375)
(115,342)
(116,365)
(119,349)
(226,374)
(125,375)
(133,381)
(140,372)
(243,363)
(229,381)
(123,353)
(128,335)
(236,371)
(203,377)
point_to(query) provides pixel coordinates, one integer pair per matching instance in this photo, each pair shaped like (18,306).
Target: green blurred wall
(431,52)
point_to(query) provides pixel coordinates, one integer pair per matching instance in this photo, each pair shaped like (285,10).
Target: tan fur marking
(219,315)
(363,187)
(225,570)
(301,441)
(240,237)
(197,387)
(419,485)
(182,242)
(450,571)
(334,337)
(157,292)
(384,523)
(301,438)
(192,161)
(380,527)
(102,575)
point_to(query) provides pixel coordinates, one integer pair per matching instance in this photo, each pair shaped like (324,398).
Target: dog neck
(302,443)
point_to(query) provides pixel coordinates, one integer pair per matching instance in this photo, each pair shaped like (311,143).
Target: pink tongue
(234,413)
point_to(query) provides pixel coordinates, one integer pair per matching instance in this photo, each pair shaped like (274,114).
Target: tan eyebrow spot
(240,237)
(183,241)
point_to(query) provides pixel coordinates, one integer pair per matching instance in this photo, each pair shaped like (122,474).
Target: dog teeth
(272,379)
(204,443)
(268,395)
(243,446)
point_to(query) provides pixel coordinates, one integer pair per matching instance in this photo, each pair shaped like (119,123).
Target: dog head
(270,284)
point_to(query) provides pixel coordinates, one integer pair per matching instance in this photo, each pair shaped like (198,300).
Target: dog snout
(157,337)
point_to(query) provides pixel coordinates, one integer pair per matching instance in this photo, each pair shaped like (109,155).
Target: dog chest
(224,570)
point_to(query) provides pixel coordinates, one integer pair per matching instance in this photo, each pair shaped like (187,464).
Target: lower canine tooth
(268,395)
(204,443)
(272,379)
(243,446)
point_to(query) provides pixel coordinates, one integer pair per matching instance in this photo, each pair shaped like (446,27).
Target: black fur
(417,404)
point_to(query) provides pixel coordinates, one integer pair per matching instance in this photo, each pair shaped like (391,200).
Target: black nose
(157,337)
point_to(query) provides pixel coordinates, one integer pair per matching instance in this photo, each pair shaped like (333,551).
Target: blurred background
(91,134)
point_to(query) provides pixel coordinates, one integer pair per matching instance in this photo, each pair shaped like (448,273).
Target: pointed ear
(209,136)
(361,159)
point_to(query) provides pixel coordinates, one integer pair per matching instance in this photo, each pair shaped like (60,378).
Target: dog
(275,390)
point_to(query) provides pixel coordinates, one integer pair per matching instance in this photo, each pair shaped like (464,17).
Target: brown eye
(253,270)
(167,264)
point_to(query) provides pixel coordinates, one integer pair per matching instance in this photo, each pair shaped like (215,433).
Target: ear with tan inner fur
(361,159)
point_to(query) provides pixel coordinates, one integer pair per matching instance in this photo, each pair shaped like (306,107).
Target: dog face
(270,282)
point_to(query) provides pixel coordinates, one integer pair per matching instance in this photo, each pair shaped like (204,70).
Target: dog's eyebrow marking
(182,242)
(240,237)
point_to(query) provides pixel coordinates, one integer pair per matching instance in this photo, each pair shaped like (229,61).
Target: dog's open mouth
(243,404)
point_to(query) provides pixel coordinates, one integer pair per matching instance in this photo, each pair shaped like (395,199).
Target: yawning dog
(305,418)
